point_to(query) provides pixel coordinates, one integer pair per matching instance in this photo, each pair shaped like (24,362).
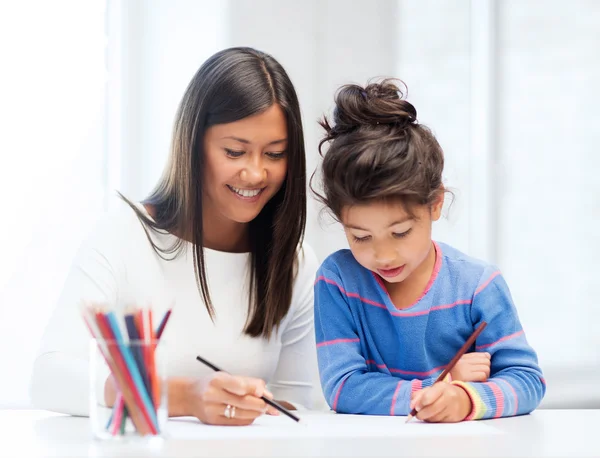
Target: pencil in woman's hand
(272,403)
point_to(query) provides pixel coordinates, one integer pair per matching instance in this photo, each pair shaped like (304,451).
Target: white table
(543,433)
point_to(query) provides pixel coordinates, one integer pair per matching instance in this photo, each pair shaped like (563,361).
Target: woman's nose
(254,173)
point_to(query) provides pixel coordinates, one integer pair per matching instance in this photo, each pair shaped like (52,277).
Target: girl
(221,236)
(393,310)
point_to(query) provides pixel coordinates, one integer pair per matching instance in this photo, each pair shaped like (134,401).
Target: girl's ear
(436,207)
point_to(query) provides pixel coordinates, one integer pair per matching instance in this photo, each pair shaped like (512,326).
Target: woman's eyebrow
(247,142)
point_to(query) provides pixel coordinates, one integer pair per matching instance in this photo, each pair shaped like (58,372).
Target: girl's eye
(361,239)
(233,153)
(400,235)
(276,154)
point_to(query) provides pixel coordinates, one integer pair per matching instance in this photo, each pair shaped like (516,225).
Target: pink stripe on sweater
(487,282)
(336,341)
(433,309)
(416,385)
(449,306)
(402,313)
(499,398)
(402,371)
(373,363)
(511,336)
(337,395)
(394,398)
(436,270)
(421,374)
(513,392)
(343,291)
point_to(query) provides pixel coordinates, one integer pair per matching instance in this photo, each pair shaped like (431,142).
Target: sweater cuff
(477,406)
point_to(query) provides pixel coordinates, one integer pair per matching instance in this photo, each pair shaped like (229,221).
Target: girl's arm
(516,385)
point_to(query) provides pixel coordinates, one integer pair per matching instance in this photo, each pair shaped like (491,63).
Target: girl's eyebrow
(400,221)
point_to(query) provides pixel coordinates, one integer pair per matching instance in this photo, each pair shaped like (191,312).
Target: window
(53,164)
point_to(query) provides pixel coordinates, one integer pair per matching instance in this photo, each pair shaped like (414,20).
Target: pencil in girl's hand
(470,341)
(272,403)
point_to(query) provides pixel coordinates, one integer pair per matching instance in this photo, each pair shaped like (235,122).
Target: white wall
(163,43)
(433,58)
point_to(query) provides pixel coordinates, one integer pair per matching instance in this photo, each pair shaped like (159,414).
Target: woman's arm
(297,373)
(60,377)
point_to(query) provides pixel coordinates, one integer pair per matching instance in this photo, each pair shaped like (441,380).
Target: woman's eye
(276,154)
(234,153)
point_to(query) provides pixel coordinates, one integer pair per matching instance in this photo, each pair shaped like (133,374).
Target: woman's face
(245,164)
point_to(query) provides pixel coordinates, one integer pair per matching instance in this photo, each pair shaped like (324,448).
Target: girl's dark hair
(231,85)
(378,150)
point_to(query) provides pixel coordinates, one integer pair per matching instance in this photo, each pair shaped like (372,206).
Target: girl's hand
(472,367)
(209,397)
(442,403)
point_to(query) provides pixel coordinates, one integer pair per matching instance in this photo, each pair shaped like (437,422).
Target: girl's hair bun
(376,104)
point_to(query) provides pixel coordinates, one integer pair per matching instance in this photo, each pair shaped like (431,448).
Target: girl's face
(385,239)
(245,164)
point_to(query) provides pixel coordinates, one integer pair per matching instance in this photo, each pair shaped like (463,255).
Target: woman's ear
(438,203)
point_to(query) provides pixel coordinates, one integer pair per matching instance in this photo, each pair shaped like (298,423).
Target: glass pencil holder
(130,376)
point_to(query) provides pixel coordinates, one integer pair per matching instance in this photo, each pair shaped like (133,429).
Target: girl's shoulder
(341,263)
(464,270)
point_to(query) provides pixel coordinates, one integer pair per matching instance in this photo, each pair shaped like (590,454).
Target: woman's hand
(472,367)
(225,399)
(442,403)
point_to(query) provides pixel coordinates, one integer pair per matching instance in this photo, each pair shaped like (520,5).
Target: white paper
(325,425)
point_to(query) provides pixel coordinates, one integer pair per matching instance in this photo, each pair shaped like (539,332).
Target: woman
(221,237)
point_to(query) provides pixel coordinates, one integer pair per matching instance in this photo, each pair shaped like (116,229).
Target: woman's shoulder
(305,270)
(307,258)
(118,229)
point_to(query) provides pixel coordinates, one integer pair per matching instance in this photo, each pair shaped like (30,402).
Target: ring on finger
(229,411)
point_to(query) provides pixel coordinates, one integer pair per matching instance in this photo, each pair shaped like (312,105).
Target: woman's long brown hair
(231,85)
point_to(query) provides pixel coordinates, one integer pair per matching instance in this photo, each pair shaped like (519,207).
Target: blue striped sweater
(372,356)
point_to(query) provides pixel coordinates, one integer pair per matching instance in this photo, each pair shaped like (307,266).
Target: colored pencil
(136,415)
(139,351)
(123,370)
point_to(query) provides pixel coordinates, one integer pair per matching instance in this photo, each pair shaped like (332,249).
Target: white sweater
(118,266)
